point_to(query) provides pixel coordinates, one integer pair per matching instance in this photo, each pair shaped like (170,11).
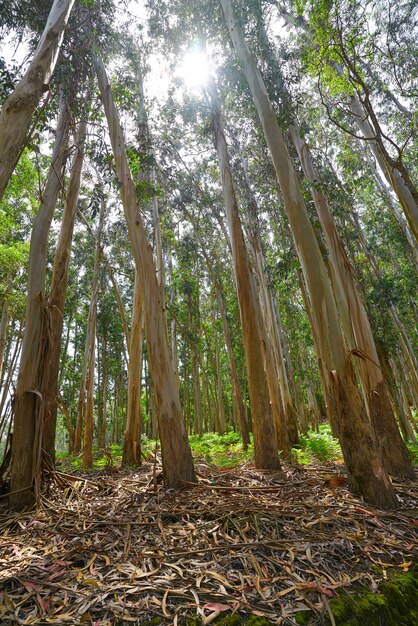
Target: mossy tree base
(396,604)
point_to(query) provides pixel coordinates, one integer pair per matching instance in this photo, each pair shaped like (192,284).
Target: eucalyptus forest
(209,312)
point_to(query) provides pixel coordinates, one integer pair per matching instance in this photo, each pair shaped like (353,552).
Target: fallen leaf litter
(118,548)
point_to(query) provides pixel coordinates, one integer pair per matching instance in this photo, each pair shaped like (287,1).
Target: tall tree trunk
(367,474)
(58,294)
(176,454)
(236,387)
(103,425)
(272,329)
(91,350)
(356,327)
(17,111)
(29,405)
(111,274)
(132,437)
(3,331)
(353,316)
(173,325)
(264,429)
(411,365)
(222,427)
(78,433)
(269,314)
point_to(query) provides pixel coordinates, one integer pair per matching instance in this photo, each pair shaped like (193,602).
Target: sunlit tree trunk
(175,448)
(78,433)
(58,294)
(264,429)
(287,414)
(17,111)
(132,437)
(395,388)
(111,274)
(30,406)
(367,474)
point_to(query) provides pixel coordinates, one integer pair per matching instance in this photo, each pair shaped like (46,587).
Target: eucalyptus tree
(17,111)
(29,408)
(367,473)
(341,50)
(176,454)
(58,291)
(90,353)
(353,316)
(264,427)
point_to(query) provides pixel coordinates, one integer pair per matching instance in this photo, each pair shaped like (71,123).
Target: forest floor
(114,547)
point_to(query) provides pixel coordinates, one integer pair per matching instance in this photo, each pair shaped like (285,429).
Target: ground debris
(124,549)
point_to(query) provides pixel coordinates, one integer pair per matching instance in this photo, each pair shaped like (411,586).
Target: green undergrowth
(227,450)
(413,449)
(221,450)
(317,446)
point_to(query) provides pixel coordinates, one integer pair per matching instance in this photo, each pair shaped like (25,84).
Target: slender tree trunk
(68,421)
(173,325)
(397,399)
(81,401)
(397,177)
(287,414)
(236,387)
(3,332)
(111,274)
(406,348)
(58,294)
(11,367)
(222,427)
(132,437)
(102,432)
(264,429)
(272,330)
(91,350)
(17,111)
(353,316)
(176,454)
(29,406)
(367,474)
(391,202)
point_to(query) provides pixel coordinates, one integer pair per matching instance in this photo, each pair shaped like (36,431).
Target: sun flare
(195,69)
